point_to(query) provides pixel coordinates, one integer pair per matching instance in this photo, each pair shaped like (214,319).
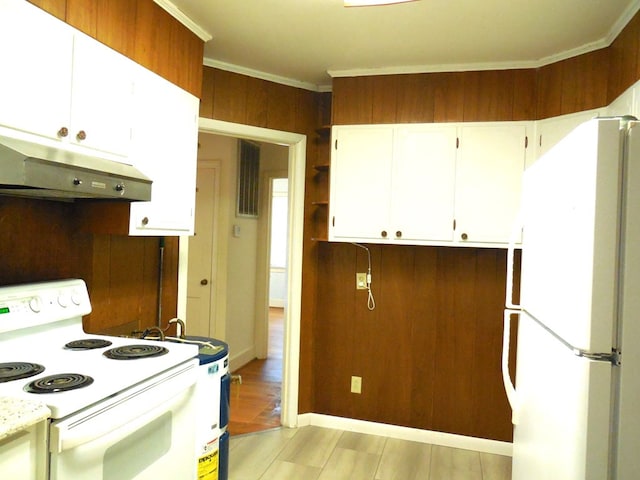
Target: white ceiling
(306,42)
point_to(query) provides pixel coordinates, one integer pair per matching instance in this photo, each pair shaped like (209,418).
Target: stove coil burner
(131,352)
(17,370)
(87,344)
(61,382)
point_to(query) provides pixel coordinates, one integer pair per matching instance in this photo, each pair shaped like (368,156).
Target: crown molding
(176,13)
(229,67)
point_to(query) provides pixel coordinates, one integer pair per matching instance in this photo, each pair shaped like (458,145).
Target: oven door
(144,433)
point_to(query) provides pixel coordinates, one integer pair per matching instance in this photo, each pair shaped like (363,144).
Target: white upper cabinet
(101,97)
(551,130)
(61,85)
(36,70)
(489,168)
(423,173)
(164,147)
(360,182)
(411,184)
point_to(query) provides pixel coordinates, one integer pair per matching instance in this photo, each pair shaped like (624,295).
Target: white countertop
(17,414)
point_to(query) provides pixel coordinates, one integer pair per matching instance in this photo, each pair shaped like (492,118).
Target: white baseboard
(241,359)
(406,433)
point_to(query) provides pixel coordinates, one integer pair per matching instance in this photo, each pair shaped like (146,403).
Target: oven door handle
(124,415)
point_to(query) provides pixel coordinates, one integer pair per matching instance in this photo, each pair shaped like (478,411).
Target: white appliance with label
(121,408)
(577,378)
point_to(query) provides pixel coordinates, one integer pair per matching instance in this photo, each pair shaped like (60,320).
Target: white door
(562,422)
(200,283)
(423,176)
(569,251)
(489,170)
(360,183)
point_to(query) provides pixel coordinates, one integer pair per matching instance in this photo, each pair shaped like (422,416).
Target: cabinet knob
(145,221)
(119,187)
(398,234)
(63,132)
(204,281)
(383,233)
(464,236)
(77,181)
(81,135)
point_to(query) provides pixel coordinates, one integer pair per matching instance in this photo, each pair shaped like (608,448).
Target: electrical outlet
(361,281)
(356,384)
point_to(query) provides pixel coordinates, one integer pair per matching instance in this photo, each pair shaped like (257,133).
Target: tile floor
(316,453)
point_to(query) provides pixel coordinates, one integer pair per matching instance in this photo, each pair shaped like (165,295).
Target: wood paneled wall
(140,30)
(429,353)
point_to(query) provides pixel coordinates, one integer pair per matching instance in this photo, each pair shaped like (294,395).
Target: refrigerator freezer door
(571,200)
(564,410)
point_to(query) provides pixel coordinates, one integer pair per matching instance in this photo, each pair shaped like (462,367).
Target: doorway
(296,145)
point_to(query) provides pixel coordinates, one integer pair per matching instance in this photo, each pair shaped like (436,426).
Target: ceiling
(306,42)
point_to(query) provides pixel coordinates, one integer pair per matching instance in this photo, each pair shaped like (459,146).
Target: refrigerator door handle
(509,388)
(516,229)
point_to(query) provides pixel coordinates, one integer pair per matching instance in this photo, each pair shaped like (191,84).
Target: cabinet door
(35,86)
(360,183)
(102,94)
(489,170)
(551,130)
(423,177)
(165,142)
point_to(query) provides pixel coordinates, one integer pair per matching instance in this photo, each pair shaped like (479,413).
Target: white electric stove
(114,401)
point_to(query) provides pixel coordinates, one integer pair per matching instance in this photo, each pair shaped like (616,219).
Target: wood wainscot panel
(624,67)
(385,91)
(83,14)
(335,346)
(229,96)
(257,102)
(423,315)
(208,86)
(116,25)
(57,8)
(384,335)
(488,96)
(282,102)
(429,354)
(549,91)
(584,81)
(524,94)
(455,345)
(415,98)
(449,97)
(38,241)
(352,101)
(124,283)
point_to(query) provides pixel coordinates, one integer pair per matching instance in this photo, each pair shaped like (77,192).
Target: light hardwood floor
(255,403)
(316,453)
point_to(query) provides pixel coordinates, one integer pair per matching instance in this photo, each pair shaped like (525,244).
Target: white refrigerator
(576,400)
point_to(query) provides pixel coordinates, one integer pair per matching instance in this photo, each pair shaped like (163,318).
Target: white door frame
(297,144)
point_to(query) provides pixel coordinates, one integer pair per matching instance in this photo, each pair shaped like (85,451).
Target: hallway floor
(255,403)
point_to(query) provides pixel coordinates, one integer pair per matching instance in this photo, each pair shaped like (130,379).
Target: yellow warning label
(208,466)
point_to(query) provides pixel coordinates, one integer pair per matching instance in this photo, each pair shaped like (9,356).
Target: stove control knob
(63,300)
(76,298)
(34,304)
